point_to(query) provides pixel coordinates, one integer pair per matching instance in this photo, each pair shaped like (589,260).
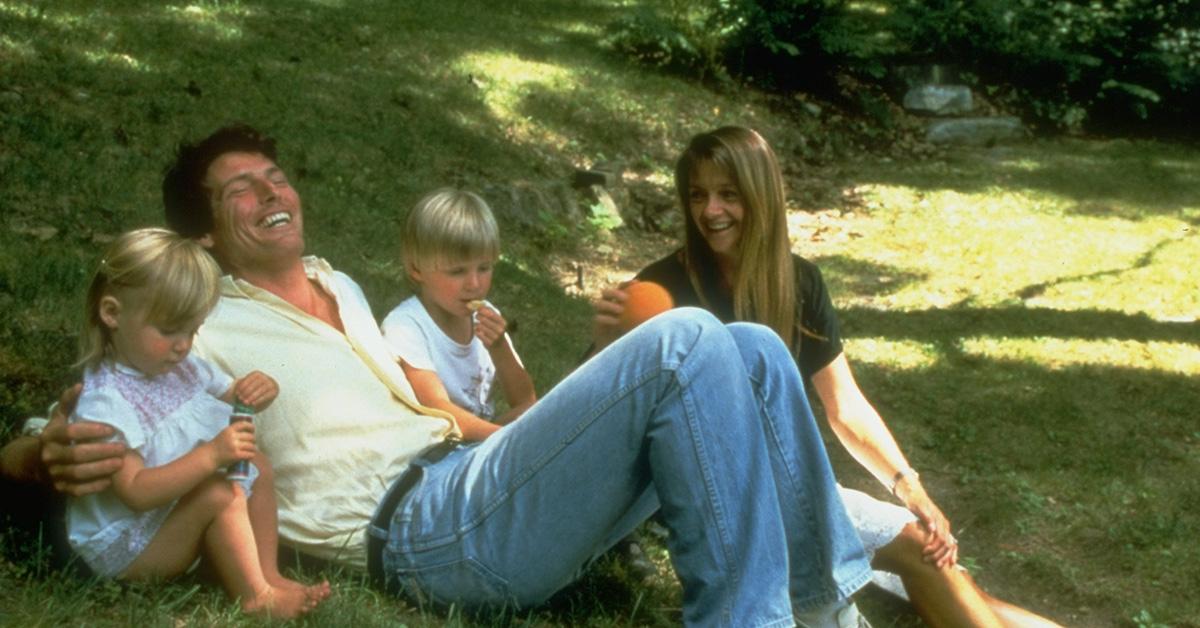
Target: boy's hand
(489,326)
(606,326)
(256,390)
(234,443)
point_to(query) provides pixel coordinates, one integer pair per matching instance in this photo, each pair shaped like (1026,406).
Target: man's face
(257,221)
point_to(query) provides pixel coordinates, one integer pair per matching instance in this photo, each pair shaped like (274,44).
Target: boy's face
(449,285)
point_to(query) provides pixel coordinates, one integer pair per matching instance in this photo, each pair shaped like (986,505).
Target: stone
(940,100)
(604,211)
(975,131)
(603,173)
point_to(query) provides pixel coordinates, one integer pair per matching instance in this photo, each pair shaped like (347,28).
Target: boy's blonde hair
(170,278)
(448,225)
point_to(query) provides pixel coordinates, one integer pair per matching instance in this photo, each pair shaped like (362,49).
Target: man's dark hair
(185,198)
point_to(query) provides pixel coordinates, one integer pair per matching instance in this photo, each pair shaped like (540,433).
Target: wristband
(901,474)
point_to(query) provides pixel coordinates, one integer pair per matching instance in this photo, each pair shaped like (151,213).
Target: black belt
(383,515)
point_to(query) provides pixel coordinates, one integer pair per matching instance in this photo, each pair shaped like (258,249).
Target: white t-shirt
(466,370)
(162,418)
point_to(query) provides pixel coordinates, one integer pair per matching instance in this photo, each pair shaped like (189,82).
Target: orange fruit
(645,299)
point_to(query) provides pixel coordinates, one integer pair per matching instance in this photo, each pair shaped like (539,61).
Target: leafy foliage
(1072,62)
(1067,64)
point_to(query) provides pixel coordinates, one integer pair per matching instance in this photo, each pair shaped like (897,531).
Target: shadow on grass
(1120,178)
(948,325)
(1038,468)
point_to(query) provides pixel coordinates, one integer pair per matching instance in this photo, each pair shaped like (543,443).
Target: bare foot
(282,602)
(318,591)
(315,592)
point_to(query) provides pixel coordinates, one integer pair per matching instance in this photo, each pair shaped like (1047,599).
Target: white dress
(162,418)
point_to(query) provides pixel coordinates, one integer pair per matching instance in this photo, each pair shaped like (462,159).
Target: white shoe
(849,617)
(833,616)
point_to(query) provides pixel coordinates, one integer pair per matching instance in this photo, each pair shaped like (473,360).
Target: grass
(1024,317)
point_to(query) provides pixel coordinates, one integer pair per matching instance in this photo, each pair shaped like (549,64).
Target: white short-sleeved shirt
(466,370)
(162,418)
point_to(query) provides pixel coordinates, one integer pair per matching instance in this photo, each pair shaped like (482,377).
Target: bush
(1065,64)
(784,44)
(1071,63)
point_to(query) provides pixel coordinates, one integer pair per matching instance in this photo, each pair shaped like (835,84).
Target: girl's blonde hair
(764,290)
(448,225)
(172,279)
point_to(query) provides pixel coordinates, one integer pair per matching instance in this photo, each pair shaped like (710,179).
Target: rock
(528,204)
(940,100)
(975,131)
(587,178)
(605,213)
(603,173)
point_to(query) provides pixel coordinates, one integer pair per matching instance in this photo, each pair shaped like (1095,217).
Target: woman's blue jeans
(707,421)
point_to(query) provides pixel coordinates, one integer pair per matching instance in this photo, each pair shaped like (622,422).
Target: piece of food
(645,299)
(474,305)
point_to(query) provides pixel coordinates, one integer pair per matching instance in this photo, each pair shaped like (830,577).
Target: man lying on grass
(366,476)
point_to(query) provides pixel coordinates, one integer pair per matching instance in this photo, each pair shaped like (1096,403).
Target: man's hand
(73,458)
(257,390)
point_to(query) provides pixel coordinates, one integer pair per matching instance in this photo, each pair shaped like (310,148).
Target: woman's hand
(606,325)
(73,455)
(489,326)
(234,443)
(941,548)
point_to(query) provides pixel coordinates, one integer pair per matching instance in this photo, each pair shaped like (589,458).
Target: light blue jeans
(707,421)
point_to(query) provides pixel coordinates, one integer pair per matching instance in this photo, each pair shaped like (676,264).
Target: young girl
(450,341)
(737,262)
(170,498)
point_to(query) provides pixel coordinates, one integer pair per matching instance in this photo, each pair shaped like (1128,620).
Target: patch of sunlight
(506,78)
(103,57)
(16,48)
(1025,165)
(215,19)
(30,12)
(900,354)
(1160,283)
(662,178)
(997,246)
(504,81)
(1059,353)
(874,8)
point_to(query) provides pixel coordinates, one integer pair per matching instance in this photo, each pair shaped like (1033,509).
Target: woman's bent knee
(905,552)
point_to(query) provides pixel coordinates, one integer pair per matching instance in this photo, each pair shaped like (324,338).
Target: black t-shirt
(817,314)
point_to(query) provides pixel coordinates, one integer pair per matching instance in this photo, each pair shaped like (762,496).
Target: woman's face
(715,206)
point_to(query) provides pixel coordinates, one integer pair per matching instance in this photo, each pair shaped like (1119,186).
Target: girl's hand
(606,326)
(256,390)
(941,548)
(489,326)
(234,443)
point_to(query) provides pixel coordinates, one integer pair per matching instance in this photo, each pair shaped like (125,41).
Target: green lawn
(1025,317)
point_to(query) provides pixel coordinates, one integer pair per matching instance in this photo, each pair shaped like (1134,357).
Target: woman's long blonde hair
(764,290)
(171,278)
